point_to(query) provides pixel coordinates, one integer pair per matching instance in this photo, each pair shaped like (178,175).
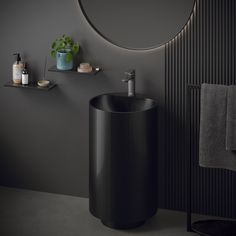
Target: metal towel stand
(203,227)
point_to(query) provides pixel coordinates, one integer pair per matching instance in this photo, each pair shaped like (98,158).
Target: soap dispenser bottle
(25,75)
(17,69)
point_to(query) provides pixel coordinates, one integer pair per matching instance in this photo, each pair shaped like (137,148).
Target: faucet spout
(130,79)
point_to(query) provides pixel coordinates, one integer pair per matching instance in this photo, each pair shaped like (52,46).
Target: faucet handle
(130,74)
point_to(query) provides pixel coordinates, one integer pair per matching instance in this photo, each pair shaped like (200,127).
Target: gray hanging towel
(212,143)
(231,119)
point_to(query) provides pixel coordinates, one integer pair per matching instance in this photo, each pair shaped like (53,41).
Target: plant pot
(62,63)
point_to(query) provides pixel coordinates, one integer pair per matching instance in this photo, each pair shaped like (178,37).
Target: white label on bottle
(25,78)
(17,74)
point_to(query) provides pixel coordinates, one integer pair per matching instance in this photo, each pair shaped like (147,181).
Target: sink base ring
(115,225)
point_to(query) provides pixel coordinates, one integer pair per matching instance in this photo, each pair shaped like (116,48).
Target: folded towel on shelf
(231,119)
(212,142)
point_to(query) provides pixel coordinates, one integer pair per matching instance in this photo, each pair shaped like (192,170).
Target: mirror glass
(137,24)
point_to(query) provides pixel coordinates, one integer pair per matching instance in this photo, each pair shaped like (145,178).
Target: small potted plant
(64,49)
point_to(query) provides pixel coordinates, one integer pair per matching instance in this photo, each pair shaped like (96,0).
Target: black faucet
(130,79)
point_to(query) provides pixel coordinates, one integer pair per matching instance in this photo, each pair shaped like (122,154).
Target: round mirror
(137,24)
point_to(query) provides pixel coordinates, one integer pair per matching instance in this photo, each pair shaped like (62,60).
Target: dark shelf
(73,71)
(30,86)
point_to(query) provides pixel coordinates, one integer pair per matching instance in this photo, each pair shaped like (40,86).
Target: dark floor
(30,213)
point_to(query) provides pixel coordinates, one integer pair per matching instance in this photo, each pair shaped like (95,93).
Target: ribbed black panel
(203,52)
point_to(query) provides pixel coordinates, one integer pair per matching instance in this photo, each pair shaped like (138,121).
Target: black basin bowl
(119,103)
(123,159)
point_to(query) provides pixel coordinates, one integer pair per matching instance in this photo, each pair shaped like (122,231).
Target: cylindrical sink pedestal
(123,160)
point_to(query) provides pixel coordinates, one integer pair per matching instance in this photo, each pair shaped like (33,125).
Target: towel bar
(203,227)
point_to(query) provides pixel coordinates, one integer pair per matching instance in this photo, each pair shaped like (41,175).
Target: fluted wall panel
(204,51)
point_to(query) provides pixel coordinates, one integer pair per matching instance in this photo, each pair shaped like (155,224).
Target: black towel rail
(203,227)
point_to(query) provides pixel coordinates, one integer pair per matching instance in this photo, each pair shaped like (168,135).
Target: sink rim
(140,96)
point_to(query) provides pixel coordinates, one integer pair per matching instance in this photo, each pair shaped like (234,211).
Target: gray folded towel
(231,119)
(212,143)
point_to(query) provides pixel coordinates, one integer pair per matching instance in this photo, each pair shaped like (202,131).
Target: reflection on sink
(122,103)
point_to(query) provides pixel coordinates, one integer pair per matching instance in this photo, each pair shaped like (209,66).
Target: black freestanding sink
(123,159)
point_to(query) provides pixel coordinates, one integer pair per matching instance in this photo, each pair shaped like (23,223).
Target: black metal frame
(204,227)
(189,159)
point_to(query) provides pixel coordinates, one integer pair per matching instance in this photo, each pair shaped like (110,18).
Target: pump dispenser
(17,69)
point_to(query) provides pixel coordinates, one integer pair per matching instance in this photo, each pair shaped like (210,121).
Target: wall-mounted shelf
(94,72)
(30,86)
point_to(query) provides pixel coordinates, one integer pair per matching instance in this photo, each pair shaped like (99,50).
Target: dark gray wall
(44,135)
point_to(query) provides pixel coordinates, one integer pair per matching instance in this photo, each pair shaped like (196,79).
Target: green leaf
(75,48)
(53,45)
(53,53)
(69,57)
(58,49)
(62,45)
(68,40)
